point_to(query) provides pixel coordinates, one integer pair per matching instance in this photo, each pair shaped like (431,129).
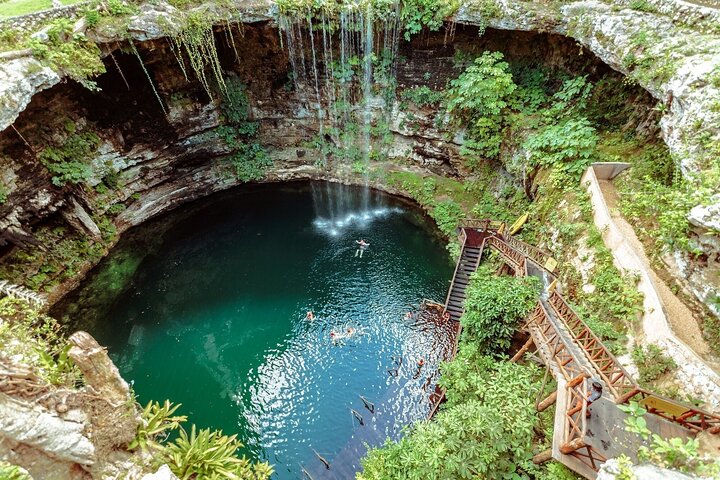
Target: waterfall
(367,100)
(344,98)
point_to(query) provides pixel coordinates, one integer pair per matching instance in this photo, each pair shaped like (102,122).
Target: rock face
(61,433)
(173,153)
(612,471)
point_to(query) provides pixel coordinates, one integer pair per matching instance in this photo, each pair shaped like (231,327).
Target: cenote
(207,306)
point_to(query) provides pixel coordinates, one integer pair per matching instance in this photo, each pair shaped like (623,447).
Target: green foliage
(652,363)
(673,453)
(42,270)
(250,162)
(67,52)
(419,14)
(204,454)
(423,96)
(235,104)
(493,307)
(118,8)
(211,455)
(157,422)
(35,340)
(3,193)
(70,162)
(557,471)
(197,39)
(484,431)
(660,209)
(569,145)
(13,472)
(642,6)
(447,214)
(477,99)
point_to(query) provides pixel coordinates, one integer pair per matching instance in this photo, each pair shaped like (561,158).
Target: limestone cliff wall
(165,158)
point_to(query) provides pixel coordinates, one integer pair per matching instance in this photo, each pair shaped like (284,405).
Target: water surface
(207,307)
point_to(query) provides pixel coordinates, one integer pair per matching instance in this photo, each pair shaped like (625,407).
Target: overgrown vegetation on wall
(37,342)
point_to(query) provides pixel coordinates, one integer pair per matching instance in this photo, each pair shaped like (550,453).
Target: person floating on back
(362,245)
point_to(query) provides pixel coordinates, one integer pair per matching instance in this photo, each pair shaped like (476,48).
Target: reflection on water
(211,313)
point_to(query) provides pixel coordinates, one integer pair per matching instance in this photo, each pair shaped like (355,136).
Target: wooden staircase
(467,264)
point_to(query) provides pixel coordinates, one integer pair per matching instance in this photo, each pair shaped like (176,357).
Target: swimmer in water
(420,365)
(362,245)
(310,316)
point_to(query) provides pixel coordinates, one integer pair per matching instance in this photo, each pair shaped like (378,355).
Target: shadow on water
(206,306)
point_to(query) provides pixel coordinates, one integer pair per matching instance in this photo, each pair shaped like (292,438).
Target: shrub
(423,96)
(250,162)
(13,472)
(70,162)
(211,455)
(569,145)
(477,99)
(652,363)
(3,193)
(416,14)
(35,340)
(484,431)
(493,306)
(68,52)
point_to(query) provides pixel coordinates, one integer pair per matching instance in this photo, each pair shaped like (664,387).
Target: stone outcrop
(63,433)
(611,470)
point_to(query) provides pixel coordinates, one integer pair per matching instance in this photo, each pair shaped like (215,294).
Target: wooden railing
(688,416)
(614,375)
(463,241)
(513,257)
(543,259)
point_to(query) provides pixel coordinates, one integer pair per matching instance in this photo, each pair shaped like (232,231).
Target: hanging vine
(197,39)
(147,74)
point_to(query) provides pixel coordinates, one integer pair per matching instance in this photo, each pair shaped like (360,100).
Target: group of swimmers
(335,335)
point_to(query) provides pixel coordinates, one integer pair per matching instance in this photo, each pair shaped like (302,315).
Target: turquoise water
(207,307)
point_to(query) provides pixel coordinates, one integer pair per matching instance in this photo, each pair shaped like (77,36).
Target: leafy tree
(485,431)
(477,98)
(493,307)
(569,145)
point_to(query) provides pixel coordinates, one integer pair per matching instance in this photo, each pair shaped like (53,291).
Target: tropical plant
(485,430)
(569,145)
(417,14)
(158,421)
(211,455)
(493,307)
(651,362)
(70,161)
(9,471)
(35,340)
(672,453)
(477,99)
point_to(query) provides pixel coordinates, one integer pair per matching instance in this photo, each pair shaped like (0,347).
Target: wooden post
(542,457)
(542,406)
(522,350)
(571,446)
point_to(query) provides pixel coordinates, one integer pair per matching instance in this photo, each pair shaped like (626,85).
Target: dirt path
(685,325)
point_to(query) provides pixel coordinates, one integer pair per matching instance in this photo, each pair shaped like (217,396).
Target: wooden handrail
(608,368)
